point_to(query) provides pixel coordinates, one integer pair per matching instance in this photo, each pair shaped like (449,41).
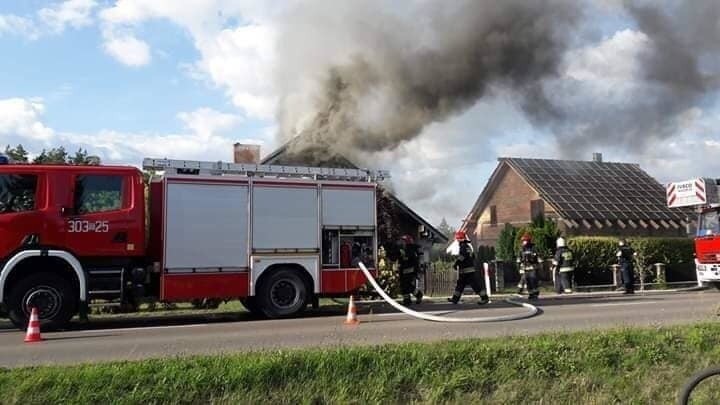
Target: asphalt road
(138,338)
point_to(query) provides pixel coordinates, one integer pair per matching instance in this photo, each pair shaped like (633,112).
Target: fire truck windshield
(709,223)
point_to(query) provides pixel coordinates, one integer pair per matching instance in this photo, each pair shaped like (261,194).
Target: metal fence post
(660,275)
(616,275)
(488,286)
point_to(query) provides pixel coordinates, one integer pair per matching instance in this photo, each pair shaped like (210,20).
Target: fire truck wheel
(250,303)
(282,294)
(54,297)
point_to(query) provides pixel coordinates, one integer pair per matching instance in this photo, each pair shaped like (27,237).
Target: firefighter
(467,273)
(409,265)
(563,267)
(528,264)
(625,255)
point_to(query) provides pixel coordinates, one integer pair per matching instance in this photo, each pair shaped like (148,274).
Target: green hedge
(595,255)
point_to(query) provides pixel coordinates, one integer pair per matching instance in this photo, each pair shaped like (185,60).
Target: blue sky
(133,78)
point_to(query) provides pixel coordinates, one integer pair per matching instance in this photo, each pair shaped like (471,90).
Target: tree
(17,154)
(55,156)
(80,157)
(446,229)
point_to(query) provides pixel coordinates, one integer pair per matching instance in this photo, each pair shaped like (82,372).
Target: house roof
(284,154)
(591,193)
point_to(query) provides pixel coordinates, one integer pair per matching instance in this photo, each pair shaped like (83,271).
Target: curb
(554,296)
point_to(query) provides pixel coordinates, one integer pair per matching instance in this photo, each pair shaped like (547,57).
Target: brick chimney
(246,153)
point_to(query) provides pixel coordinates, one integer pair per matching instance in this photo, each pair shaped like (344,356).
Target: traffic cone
(33,329)
(351,318)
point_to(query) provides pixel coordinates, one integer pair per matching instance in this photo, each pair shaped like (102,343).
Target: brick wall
(511,198)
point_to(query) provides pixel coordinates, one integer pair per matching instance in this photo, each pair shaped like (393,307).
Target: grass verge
(628,366)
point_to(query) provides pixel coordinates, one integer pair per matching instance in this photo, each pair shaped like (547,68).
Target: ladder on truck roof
(222,168)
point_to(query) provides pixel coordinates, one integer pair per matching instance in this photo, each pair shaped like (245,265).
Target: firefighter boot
(484,299)
(454,299)
(406,300)
(418,296)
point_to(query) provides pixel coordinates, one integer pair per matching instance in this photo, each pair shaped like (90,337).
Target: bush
(595,255)
(505,247)
(544,234)
(485,254)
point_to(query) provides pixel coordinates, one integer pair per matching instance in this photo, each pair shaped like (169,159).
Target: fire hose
(531,309)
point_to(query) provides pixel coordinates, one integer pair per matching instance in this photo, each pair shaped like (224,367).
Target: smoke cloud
(354,79)
(405,69)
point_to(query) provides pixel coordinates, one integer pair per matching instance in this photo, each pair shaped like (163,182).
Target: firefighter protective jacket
(528,260)
(409,258)
(564,259)
(465,262)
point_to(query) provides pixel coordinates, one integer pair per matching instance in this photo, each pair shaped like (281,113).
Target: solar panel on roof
(592,190)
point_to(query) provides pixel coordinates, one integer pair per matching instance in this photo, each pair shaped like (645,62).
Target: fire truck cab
(702,194)
(275,237)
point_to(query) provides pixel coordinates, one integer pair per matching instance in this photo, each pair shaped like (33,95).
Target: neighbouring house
(395,218)
(584,198)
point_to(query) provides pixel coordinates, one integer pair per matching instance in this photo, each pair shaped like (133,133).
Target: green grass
(630,366)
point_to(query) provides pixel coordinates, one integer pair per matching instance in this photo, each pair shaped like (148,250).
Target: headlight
(700,267)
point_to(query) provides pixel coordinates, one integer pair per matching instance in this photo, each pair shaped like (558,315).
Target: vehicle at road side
(703,194)
(275,237)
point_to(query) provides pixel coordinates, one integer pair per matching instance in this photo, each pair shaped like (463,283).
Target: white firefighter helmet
(560,242)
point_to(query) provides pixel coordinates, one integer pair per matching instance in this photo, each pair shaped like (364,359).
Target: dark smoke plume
(379,79)
(406,72)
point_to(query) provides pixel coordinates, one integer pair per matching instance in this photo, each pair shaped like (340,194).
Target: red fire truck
(702,194)
(275,237)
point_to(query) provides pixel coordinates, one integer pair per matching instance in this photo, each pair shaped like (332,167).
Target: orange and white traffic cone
(351,318)
(33,329)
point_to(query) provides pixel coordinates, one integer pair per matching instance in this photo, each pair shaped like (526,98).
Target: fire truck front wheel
(54,297)
(282,294)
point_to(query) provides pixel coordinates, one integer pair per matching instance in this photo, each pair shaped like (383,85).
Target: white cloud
(127,49)
(207,122)
(75,13)
(49,20)
(207,137)
(15,25)
(610,68)
(21,118)
(238,60)
(241,60)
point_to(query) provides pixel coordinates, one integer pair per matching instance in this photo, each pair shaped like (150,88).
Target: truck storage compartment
(206,227)
(285,219)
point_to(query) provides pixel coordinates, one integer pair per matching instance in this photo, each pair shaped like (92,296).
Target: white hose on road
(532,309)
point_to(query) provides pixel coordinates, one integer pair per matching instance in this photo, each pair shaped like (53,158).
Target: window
(709,224)
(537,209)
(493,215)
(17,193)
(98,194)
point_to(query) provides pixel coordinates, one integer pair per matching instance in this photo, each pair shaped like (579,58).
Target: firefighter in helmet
(626,256)
(467,272)
(528,264)
(409,266)
(563,267)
